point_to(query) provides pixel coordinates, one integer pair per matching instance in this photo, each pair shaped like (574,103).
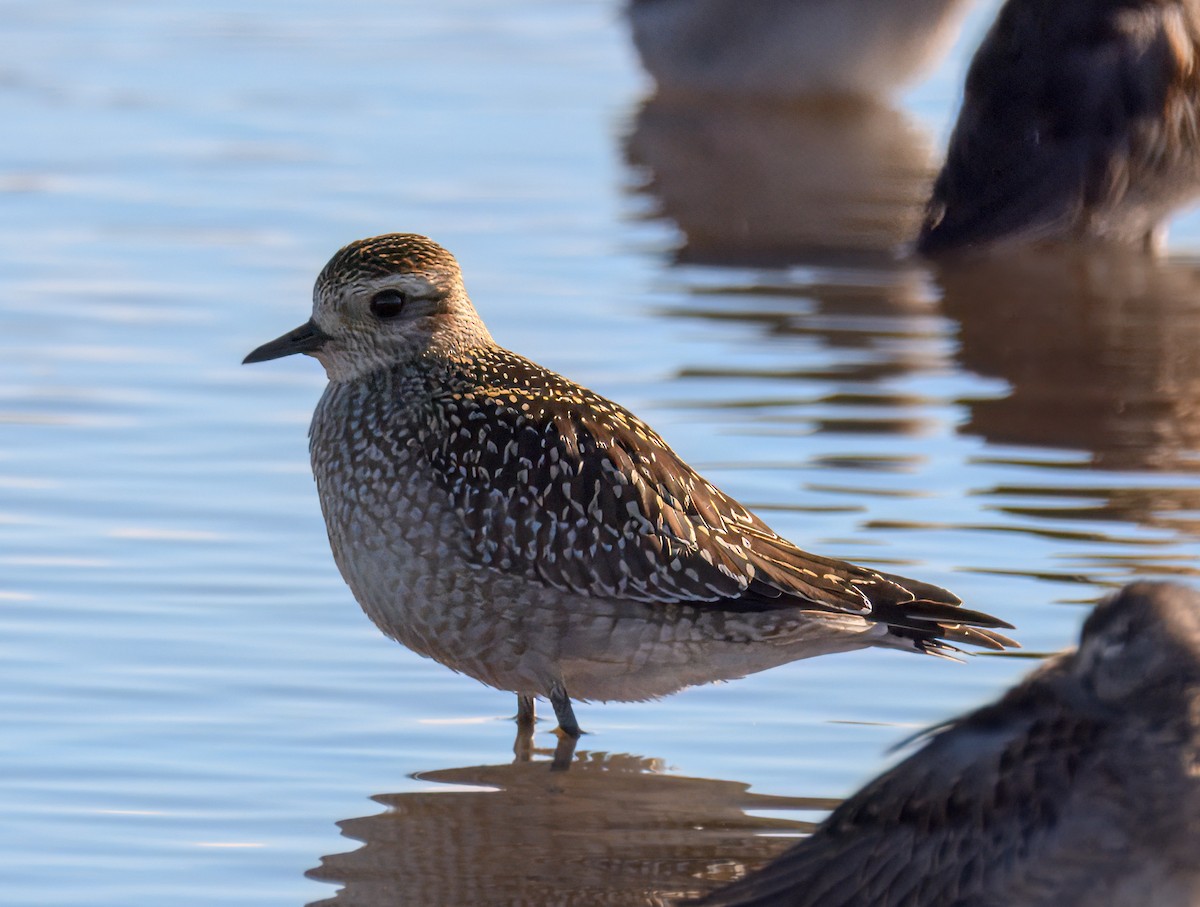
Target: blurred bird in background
(1079,122)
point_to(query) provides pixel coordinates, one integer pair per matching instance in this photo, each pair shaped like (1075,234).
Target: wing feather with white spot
(560,485)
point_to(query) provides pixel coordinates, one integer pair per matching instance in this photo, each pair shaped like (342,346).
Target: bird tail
(935,622)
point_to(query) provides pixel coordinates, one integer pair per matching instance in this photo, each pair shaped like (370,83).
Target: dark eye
(388,303)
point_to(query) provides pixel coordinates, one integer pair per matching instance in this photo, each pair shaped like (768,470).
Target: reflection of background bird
(866,342)
(1099,349)
(770,139)
(780,48)
(833,181)
(1079,120)
(1079,787)
(521,529)
(611,831)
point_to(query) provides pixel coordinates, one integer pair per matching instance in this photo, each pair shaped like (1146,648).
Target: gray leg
(563,711)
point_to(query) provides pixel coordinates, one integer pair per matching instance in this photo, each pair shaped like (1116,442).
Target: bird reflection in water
(1081,786)
(771,142)
(867,335)
(770,139)
(614,830)
(1099,351)
(1098,346)
(837,181)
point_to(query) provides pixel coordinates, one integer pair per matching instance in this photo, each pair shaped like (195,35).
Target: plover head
(381,302)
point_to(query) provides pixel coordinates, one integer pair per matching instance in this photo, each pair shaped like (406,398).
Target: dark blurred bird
(519,528)
(1079,788)
(1079,122)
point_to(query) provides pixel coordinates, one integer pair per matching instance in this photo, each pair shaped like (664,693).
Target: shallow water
(195,709)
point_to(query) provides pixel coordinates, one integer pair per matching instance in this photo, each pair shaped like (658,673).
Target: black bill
(308,338)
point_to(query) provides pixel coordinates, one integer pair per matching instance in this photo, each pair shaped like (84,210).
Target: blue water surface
(194,707)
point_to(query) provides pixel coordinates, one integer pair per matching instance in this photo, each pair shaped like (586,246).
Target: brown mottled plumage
(519,528)
(1079,122)
(1079,788)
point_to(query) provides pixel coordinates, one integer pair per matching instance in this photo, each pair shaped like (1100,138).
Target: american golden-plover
(1080,787)
(495,516)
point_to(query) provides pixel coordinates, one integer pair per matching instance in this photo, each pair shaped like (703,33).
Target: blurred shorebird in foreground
(1078,788)
(499,518)
(1079,121)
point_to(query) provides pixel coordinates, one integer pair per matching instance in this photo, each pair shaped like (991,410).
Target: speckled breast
(400,545)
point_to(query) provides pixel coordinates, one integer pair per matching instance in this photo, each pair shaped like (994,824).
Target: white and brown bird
(780,49)
(1080,787)
(497,517)
(1080,121)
